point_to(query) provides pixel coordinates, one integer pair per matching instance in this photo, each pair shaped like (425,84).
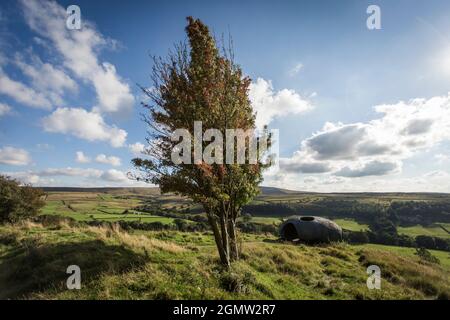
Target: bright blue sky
(316,62)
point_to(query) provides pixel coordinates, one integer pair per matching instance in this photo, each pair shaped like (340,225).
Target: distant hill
(265,191)
(136,190)
(278,191)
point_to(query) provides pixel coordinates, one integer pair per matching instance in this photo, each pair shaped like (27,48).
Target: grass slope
(163,265)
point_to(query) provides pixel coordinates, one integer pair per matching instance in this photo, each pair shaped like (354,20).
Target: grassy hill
(170,264)
(176,265)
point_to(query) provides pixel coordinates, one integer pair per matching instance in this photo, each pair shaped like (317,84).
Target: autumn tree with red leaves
(201,82)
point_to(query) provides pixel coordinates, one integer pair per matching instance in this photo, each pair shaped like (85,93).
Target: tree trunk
(225,236)
(224,257)
(233,240)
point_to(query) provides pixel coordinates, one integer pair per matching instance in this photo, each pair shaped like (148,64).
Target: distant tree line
(383,230)
(420,212)
(407,213)
(422,241)
(383,219)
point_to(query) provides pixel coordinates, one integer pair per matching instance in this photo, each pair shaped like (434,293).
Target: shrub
(406,241)
(355,236)
(425,241)
(50,220)
(247,217)
(236,281)
(442,244)
(426,255)
(18,202)
(252,227)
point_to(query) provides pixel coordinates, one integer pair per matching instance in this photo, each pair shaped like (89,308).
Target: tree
(426,255)
(18,202)
(200,82)
(425,242)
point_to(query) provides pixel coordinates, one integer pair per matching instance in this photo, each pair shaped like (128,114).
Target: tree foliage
(18,202)
(200,82)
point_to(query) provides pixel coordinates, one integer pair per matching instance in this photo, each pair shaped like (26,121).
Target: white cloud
(441,158)
(101,158)
(435,181)
(46,78)
(335,142)
(44,146)
(14,156)
(70,172)
(269,104)
(372,168)
(24,177)
(47,83)
(114,176)
(296,69)
(43,43)
(22,93)
(81,157)
(136,148)
(30,179)
(436,174)
(111,160)
(292,165)
(80,53)
(4,109)
(377,147)
(76,177)
(113,94)
(84,125)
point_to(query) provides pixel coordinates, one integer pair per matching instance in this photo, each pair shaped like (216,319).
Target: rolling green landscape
(169,254)
(126,205)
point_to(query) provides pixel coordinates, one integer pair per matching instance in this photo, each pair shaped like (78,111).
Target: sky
(357,109)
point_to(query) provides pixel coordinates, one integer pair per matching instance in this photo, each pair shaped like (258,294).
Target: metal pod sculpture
(310,229)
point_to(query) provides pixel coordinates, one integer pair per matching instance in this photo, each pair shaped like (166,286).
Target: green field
(434,230)
(87,206)
(351,225)
(266,220)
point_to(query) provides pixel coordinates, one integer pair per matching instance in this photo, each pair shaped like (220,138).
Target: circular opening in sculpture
(290,233)
(307,218)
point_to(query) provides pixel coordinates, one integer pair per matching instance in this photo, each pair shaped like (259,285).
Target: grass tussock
(424,276)
(156,265)
(143,242)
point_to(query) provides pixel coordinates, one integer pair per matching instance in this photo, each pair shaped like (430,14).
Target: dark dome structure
(310,229)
